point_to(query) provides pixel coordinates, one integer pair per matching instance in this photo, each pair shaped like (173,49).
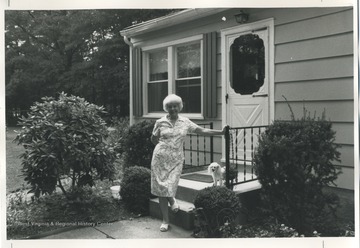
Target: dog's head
(213,167)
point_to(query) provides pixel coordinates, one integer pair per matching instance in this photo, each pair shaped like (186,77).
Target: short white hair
(172,98)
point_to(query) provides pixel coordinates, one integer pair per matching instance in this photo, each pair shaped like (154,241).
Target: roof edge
(169,20)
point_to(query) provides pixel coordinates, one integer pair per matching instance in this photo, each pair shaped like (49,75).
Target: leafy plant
(55,211)
(137,145)
(215,206)
(118,130)
(294,162)
(135,189)
(64,138)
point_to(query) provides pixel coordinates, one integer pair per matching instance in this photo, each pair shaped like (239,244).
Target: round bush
(135,189)
(216,206)
(137,145)
(65,137)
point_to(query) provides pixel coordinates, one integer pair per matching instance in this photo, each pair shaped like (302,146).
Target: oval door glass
(247,64)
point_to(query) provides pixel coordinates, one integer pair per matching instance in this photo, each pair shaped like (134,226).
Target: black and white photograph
(202,125)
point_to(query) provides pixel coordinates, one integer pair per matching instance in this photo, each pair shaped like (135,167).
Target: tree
(79,52)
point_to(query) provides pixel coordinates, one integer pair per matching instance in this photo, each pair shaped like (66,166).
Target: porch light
(242,17)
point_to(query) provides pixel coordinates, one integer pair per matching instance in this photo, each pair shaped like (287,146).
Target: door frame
(269,24)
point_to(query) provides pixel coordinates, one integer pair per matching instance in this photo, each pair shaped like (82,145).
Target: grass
(51,212)
(14,178)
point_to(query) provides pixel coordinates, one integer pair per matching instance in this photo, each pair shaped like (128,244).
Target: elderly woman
(168,157)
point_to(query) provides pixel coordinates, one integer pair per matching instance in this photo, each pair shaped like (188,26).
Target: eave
(169,20)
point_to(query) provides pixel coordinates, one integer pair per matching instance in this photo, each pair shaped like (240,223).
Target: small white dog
(217,172)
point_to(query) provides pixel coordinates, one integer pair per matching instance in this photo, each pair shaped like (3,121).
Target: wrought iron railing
(240,145)
(199,150)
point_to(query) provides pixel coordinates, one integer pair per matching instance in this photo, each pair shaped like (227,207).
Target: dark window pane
(156,94)
(190,92)
(188,61)
(247,64)
(158,65)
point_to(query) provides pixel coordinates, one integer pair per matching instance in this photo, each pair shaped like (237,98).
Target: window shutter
(137,81)
(209,62)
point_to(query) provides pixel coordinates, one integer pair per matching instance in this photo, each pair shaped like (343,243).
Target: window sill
(161,114)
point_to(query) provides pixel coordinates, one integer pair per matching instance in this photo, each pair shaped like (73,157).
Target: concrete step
(189,189)
(183,218)
(186,194)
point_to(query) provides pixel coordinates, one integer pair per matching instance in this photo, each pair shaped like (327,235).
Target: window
(247,64)
(177,69)
(158,79)
(188,77)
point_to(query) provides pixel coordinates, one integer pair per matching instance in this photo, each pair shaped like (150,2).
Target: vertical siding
(314,68)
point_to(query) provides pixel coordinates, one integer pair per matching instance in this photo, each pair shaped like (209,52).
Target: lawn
(14,178)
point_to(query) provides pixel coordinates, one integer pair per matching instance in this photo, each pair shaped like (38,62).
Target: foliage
(270,230)
(137,144)
(50,212)
(119,129)
(215,206)
(135,189)
(294,162)
(77,51)
(64,138)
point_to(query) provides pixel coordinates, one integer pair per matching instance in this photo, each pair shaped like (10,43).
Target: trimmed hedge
(135,189)
(214,207)
(294,162)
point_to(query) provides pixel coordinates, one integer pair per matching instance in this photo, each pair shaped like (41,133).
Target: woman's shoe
(164,227)
(175,207)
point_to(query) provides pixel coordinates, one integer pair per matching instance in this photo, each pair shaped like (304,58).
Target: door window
(247,64)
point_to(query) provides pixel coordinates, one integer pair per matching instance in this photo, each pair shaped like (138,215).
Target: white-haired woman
(168,156)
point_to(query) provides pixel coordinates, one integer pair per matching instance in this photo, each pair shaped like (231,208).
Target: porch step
(189,189)
(183,218)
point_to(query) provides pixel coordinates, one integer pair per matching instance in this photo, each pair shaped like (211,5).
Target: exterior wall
(313,67)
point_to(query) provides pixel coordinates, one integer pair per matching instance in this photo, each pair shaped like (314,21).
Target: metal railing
(240,145)
(198,150)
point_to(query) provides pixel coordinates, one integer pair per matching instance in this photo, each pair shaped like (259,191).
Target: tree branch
(35,38)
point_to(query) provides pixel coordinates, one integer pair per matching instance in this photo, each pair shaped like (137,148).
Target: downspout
(131,111)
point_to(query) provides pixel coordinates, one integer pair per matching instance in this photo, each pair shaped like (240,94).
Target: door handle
(260,95)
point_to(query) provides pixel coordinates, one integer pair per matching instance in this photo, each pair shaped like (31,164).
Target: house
(300,56)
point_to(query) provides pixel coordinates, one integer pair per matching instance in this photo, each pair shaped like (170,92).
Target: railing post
(211,145)
(227,156)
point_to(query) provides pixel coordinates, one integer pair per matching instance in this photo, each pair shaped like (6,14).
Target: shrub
(256,231)
(135,189)
(215,206)
(64,138)
(293,163)
(137,145)
(118,131)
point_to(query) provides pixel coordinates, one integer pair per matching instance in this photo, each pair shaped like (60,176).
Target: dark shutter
(209,53)
(137,82)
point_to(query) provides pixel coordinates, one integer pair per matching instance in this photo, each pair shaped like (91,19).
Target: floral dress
(168,156)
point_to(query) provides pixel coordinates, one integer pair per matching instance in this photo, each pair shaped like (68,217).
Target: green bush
(215,206)
(65,138)
(137,145)
(135,189)
(294,162)
(117,132)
